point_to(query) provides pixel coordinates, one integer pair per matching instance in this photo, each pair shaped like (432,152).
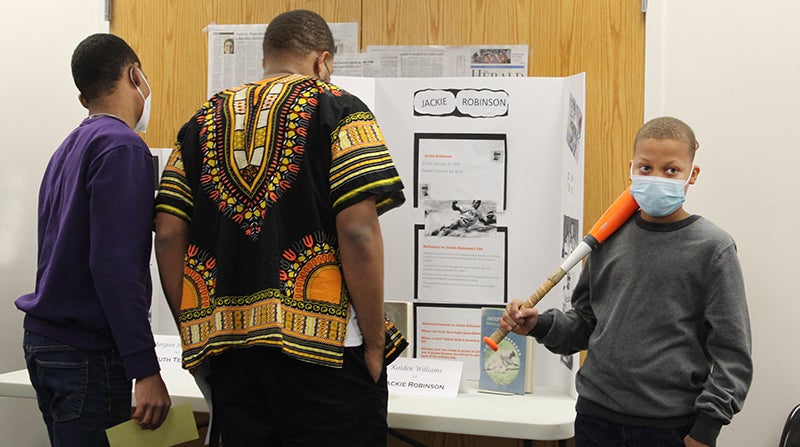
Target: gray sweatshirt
(662,311)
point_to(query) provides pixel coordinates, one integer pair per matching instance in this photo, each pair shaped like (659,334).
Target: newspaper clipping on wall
(235,52)
(435,61)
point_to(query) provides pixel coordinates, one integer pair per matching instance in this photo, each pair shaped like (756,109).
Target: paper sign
(168,351)
(449,332)
(428,377)
(178,427)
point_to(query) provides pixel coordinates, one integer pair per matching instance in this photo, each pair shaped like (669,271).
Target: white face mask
(658,196)
(141,125)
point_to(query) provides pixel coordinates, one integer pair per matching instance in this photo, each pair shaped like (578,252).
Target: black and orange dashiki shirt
(260,173)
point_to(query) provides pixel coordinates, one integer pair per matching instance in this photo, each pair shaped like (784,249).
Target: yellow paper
(178,427)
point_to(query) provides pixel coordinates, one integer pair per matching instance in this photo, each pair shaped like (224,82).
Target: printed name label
(430,377)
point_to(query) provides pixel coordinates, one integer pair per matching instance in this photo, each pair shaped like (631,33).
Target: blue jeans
(80,393)
(592,431)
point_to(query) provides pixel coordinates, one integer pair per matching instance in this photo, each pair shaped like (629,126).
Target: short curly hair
(297,33)
(98,63)
(667,127)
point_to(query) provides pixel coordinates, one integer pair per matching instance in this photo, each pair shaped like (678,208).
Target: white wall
(40,107)
(731,70)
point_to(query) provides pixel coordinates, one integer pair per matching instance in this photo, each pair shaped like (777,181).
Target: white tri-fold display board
(493,171)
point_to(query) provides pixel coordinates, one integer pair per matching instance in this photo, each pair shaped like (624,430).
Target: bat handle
(494,340)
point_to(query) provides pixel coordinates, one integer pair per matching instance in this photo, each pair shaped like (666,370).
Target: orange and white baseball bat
(616,215)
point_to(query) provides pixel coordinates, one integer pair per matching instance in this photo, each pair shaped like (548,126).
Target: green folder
(178,427)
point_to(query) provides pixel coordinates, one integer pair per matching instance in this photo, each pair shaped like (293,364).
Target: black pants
(262,397)
(592,431)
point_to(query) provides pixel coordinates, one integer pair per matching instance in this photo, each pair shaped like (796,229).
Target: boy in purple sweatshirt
(87,335)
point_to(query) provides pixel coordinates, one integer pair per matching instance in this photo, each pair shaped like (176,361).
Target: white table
(545,415)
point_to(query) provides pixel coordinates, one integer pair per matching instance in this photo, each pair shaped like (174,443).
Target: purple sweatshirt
(95,221)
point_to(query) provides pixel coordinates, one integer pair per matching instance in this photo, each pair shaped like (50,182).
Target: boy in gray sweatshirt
(661,308)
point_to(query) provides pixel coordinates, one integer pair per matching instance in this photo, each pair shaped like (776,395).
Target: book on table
(509,370)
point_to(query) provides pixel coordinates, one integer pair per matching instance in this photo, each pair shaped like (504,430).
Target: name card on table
(427,377)
(168,351)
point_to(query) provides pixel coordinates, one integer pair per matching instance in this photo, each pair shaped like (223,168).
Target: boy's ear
(694,174)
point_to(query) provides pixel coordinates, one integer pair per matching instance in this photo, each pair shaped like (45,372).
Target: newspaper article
(439,61)
(367,65)
(235,52)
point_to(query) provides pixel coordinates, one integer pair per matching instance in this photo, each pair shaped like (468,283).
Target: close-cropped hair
(98,63)
(297,33)
(668,128)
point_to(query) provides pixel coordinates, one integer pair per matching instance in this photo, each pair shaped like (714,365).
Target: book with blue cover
(502,371)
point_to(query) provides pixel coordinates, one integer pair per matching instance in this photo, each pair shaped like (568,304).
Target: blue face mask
(658,196)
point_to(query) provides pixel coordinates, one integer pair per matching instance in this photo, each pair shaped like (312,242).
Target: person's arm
(363,184)
(361,252)
(688,441)
(728,344)
(174,205)
(573,327)
(172,236)
(120,187)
